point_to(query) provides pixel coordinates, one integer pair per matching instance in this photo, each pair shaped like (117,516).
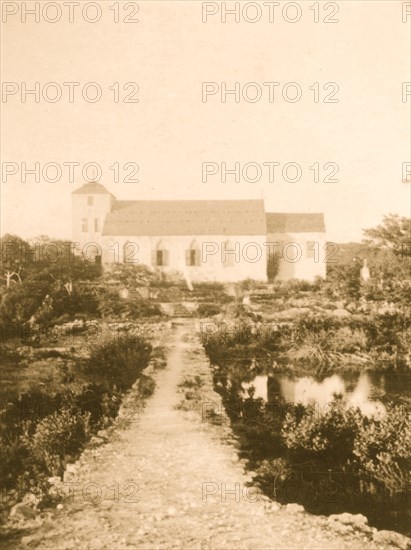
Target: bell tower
(90,205)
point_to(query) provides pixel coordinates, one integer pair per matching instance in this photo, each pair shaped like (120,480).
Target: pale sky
(170,132)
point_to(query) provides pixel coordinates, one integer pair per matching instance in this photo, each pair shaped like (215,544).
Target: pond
(370,392)
(256,398)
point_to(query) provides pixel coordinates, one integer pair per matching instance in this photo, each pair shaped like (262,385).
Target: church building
(206,240)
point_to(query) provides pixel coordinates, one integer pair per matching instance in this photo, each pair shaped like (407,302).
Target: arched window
(193,254)
(159,256)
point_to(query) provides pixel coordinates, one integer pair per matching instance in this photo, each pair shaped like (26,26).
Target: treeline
(42,289)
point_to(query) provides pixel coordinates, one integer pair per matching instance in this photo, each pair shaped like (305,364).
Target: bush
(57,437)
(117,359)
(328,436)
(383,451)
(376,451)
(111,306)
(208,310)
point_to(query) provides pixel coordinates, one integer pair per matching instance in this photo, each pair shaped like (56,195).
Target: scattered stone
(106,504)
(28,539)
(357,521)
(171,511)
(342,529)
(31,499)
(390,539)
(294,508)
(340,313)
(55,480)
(22,511)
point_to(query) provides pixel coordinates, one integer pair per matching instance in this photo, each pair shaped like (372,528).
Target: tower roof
(91,188)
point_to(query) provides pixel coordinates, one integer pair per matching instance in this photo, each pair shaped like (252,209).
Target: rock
(339,304)
(55,480)
(106,504)
(171,511)
(340,313)
(70,472)
(22,511)
(294,508)
(342,529)
(357,521)
(59,506)
(391,539)
(31,499)
(28,539)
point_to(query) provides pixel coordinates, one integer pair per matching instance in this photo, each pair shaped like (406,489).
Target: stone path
(162,481)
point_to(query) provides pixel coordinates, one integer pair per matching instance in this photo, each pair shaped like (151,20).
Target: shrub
(117,359)
(114,307)
(146,386)
(329,436)
(55,438)
(347,340)
(383,450)
(208,310)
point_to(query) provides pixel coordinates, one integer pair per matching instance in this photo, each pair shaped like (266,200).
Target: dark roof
(295,223)
(91,188)
(160,218)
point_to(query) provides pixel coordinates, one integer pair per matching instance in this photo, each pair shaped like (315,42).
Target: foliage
(112,306)
(131,276)
(47,271)
(208,310)
(393,233)
(55,438)
(330,435)
(383,450)
(117,359)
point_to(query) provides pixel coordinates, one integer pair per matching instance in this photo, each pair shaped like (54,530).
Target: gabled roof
(91,188)
(161,218)
(295,223)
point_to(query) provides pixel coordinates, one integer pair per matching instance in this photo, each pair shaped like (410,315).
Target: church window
(159,256)
(193,257)
(84,225)
(96,225)
(90,200)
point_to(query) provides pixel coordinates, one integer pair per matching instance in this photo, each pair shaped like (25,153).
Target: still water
(369,392)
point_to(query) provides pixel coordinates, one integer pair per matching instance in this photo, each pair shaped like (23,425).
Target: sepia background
(170,132)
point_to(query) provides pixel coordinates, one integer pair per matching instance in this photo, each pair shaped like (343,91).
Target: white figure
(364,272)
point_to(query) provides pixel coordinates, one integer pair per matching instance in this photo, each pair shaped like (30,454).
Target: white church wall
(303,255)
(222,258)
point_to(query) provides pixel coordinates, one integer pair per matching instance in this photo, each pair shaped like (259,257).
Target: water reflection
(307,390)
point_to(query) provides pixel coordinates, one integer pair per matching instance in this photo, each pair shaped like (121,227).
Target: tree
(394,233)
(43,279)
(14,257)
